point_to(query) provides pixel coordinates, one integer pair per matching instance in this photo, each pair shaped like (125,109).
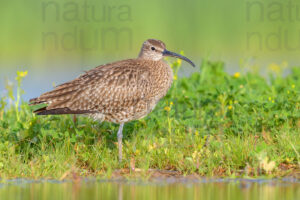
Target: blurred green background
(55,40)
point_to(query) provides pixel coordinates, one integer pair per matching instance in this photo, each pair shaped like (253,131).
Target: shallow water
(202,189)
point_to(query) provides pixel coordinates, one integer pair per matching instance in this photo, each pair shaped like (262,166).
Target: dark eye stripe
(152,48)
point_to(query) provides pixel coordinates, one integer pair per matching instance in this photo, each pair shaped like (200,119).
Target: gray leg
(120,136)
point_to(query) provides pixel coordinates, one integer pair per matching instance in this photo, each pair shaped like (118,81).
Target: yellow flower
(293,86)
(22,74)
(270,98)
(196,133)
(171,103)
(288,92)
(275,68)
(236,75)
(230,107)
(150,147)
(137,152)
(179,61)
(175,78)
(167,108)
(288,160)
(273,101)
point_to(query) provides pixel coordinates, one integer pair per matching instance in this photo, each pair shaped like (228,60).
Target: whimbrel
(118,92)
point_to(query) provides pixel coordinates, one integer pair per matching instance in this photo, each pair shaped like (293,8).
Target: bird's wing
(106,89)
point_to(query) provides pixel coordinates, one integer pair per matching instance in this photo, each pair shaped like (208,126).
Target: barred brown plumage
(117,92)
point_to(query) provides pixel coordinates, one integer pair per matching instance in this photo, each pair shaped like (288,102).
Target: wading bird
(118,92)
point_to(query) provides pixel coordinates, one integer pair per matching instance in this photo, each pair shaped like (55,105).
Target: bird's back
(117,92)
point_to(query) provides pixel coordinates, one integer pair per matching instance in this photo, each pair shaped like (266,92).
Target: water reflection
(216,189)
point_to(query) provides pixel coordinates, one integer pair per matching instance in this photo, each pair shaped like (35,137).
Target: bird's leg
(120,136)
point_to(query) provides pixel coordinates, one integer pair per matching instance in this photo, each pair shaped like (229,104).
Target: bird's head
(155,50)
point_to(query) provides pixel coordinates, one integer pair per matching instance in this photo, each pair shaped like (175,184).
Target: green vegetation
(210,124)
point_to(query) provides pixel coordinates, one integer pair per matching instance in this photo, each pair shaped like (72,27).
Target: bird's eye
(152,48)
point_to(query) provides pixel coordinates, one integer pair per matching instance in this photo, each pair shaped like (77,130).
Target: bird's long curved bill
(172,54)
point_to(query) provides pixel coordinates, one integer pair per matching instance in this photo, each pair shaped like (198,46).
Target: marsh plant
(210,123)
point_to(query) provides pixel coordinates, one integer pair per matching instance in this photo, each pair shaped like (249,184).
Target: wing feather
(105,89)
